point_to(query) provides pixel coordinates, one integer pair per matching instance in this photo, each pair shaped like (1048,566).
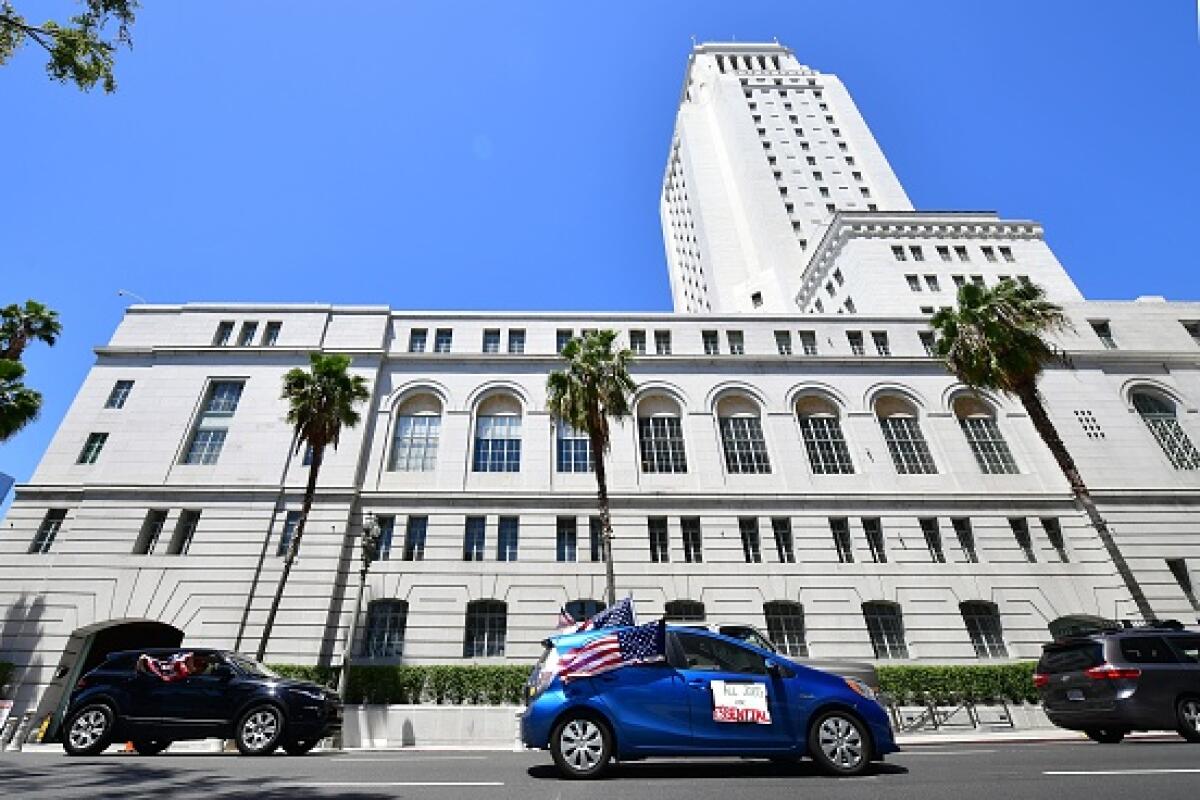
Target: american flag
(619,616)
(639,645)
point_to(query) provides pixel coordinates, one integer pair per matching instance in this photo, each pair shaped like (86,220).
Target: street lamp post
(370,551)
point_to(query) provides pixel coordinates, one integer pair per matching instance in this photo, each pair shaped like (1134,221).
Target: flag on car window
(619,616)
(637,645)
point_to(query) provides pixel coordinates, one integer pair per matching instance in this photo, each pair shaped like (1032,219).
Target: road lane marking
(1163,771)
(904,753)
(364,784)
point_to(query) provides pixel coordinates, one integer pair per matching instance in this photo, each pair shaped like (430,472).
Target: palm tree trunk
(1045,427)
(310,491)
(610,588)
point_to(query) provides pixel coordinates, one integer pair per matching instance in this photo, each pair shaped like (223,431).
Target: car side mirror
(775,669)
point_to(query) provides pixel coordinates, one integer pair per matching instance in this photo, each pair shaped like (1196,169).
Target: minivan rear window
(1070,657)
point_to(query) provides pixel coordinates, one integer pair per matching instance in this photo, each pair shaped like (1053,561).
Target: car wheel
(1105,735)
(89,730)
(150,747)
(581,747)
(298,747)
(1187,712)
(838,742)
(259,731)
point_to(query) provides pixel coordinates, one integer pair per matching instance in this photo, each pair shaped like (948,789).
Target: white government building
(797,460)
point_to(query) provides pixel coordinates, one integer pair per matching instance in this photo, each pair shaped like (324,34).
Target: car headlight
(860,688)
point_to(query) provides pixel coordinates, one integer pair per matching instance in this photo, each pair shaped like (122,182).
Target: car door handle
(696,683)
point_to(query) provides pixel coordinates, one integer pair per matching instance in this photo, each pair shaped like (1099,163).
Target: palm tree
(321,401)
(994,341)
(19,405)
(21,325)
(594,386)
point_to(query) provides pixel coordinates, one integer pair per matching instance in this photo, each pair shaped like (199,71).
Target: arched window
(983,626)
(742,436)
(415,440)
(978,423)
(498,435)
(660,435)
(823,437)
(584,609)
(486,628)
(1158,412)
(387,621)
(685,611)
(902,432)
(885,624)
(785,627)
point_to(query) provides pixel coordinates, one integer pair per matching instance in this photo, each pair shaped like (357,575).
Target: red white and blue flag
(639,645)
(621,615)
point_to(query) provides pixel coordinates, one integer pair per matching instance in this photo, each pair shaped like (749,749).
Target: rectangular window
(662,343)
(574,449)
(933,539)
(737,343)
(898,253)
(989,253)
(506,539)
(959,280)
(516,341)
(387,534)
(1020,529)
(43,540)
(205,446)
(271,334)
(287,533)
(414,538)
(988,445)
(637,342)
(152,528)
(1183,577)
(693,540)
(473,539)
(880,338)
(224,334)
(783,342)
(491,341)
(595,539)
(185,531)
(416,340)
(561,337)
(442,340)
(751,545)
(943,252)
(914,283)
(808,342)
(931,281)
(119,394)
(1104,333)
(873,530)
(826,445)
(712,345)
(885,626)
(246,337)
(966,538)
(961,252)
(840,528)
(855,338)
(744,445)
(916,252)
(497,444)
(566,539)
(415,442)
(1007,254)
(977,280)
(223,397)
(928,343)
(656,527)
(661,443)
(907,445)
(784,544)
(983,626)
(91,448)
(1055,535)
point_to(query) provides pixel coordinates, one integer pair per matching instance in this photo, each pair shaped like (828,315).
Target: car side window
(1146,650)
(714,655)
(1187,648)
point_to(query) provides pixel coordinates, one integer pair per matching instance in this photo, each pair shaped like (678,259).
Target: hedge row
(441,684)
(1012,683)
(458,684)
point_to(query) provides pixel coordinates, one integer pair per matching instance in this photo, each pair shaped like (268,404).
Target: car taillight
(1110,672)
(1040,680)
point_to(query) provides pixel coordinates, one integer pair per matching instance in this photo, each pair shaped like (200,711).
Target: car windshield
(251,667)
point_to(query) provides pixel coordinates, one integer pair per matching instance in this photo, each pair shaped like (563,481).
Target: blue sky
(508,155)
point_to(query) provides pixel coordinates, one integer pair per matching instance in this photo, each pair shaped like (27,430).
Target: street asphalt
(1147,768)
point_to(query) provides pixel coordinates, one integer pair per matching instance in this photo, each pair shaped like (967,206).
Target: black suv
(1113,681)
(224,695)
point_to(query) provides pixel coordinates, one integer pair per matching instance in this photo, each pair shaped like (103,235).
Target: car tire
(581,746)
(89,731)
(1105,735)
(839,743)
(299,747)
(259,731)
(1187,714)
(150,747)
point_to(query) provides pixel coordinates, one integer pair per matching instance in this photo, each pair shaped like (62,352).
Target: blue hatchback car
(711,696)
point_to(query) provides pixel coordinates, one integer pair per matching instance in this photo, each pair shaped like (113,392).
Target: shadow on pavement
(126,779)
(709,770)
